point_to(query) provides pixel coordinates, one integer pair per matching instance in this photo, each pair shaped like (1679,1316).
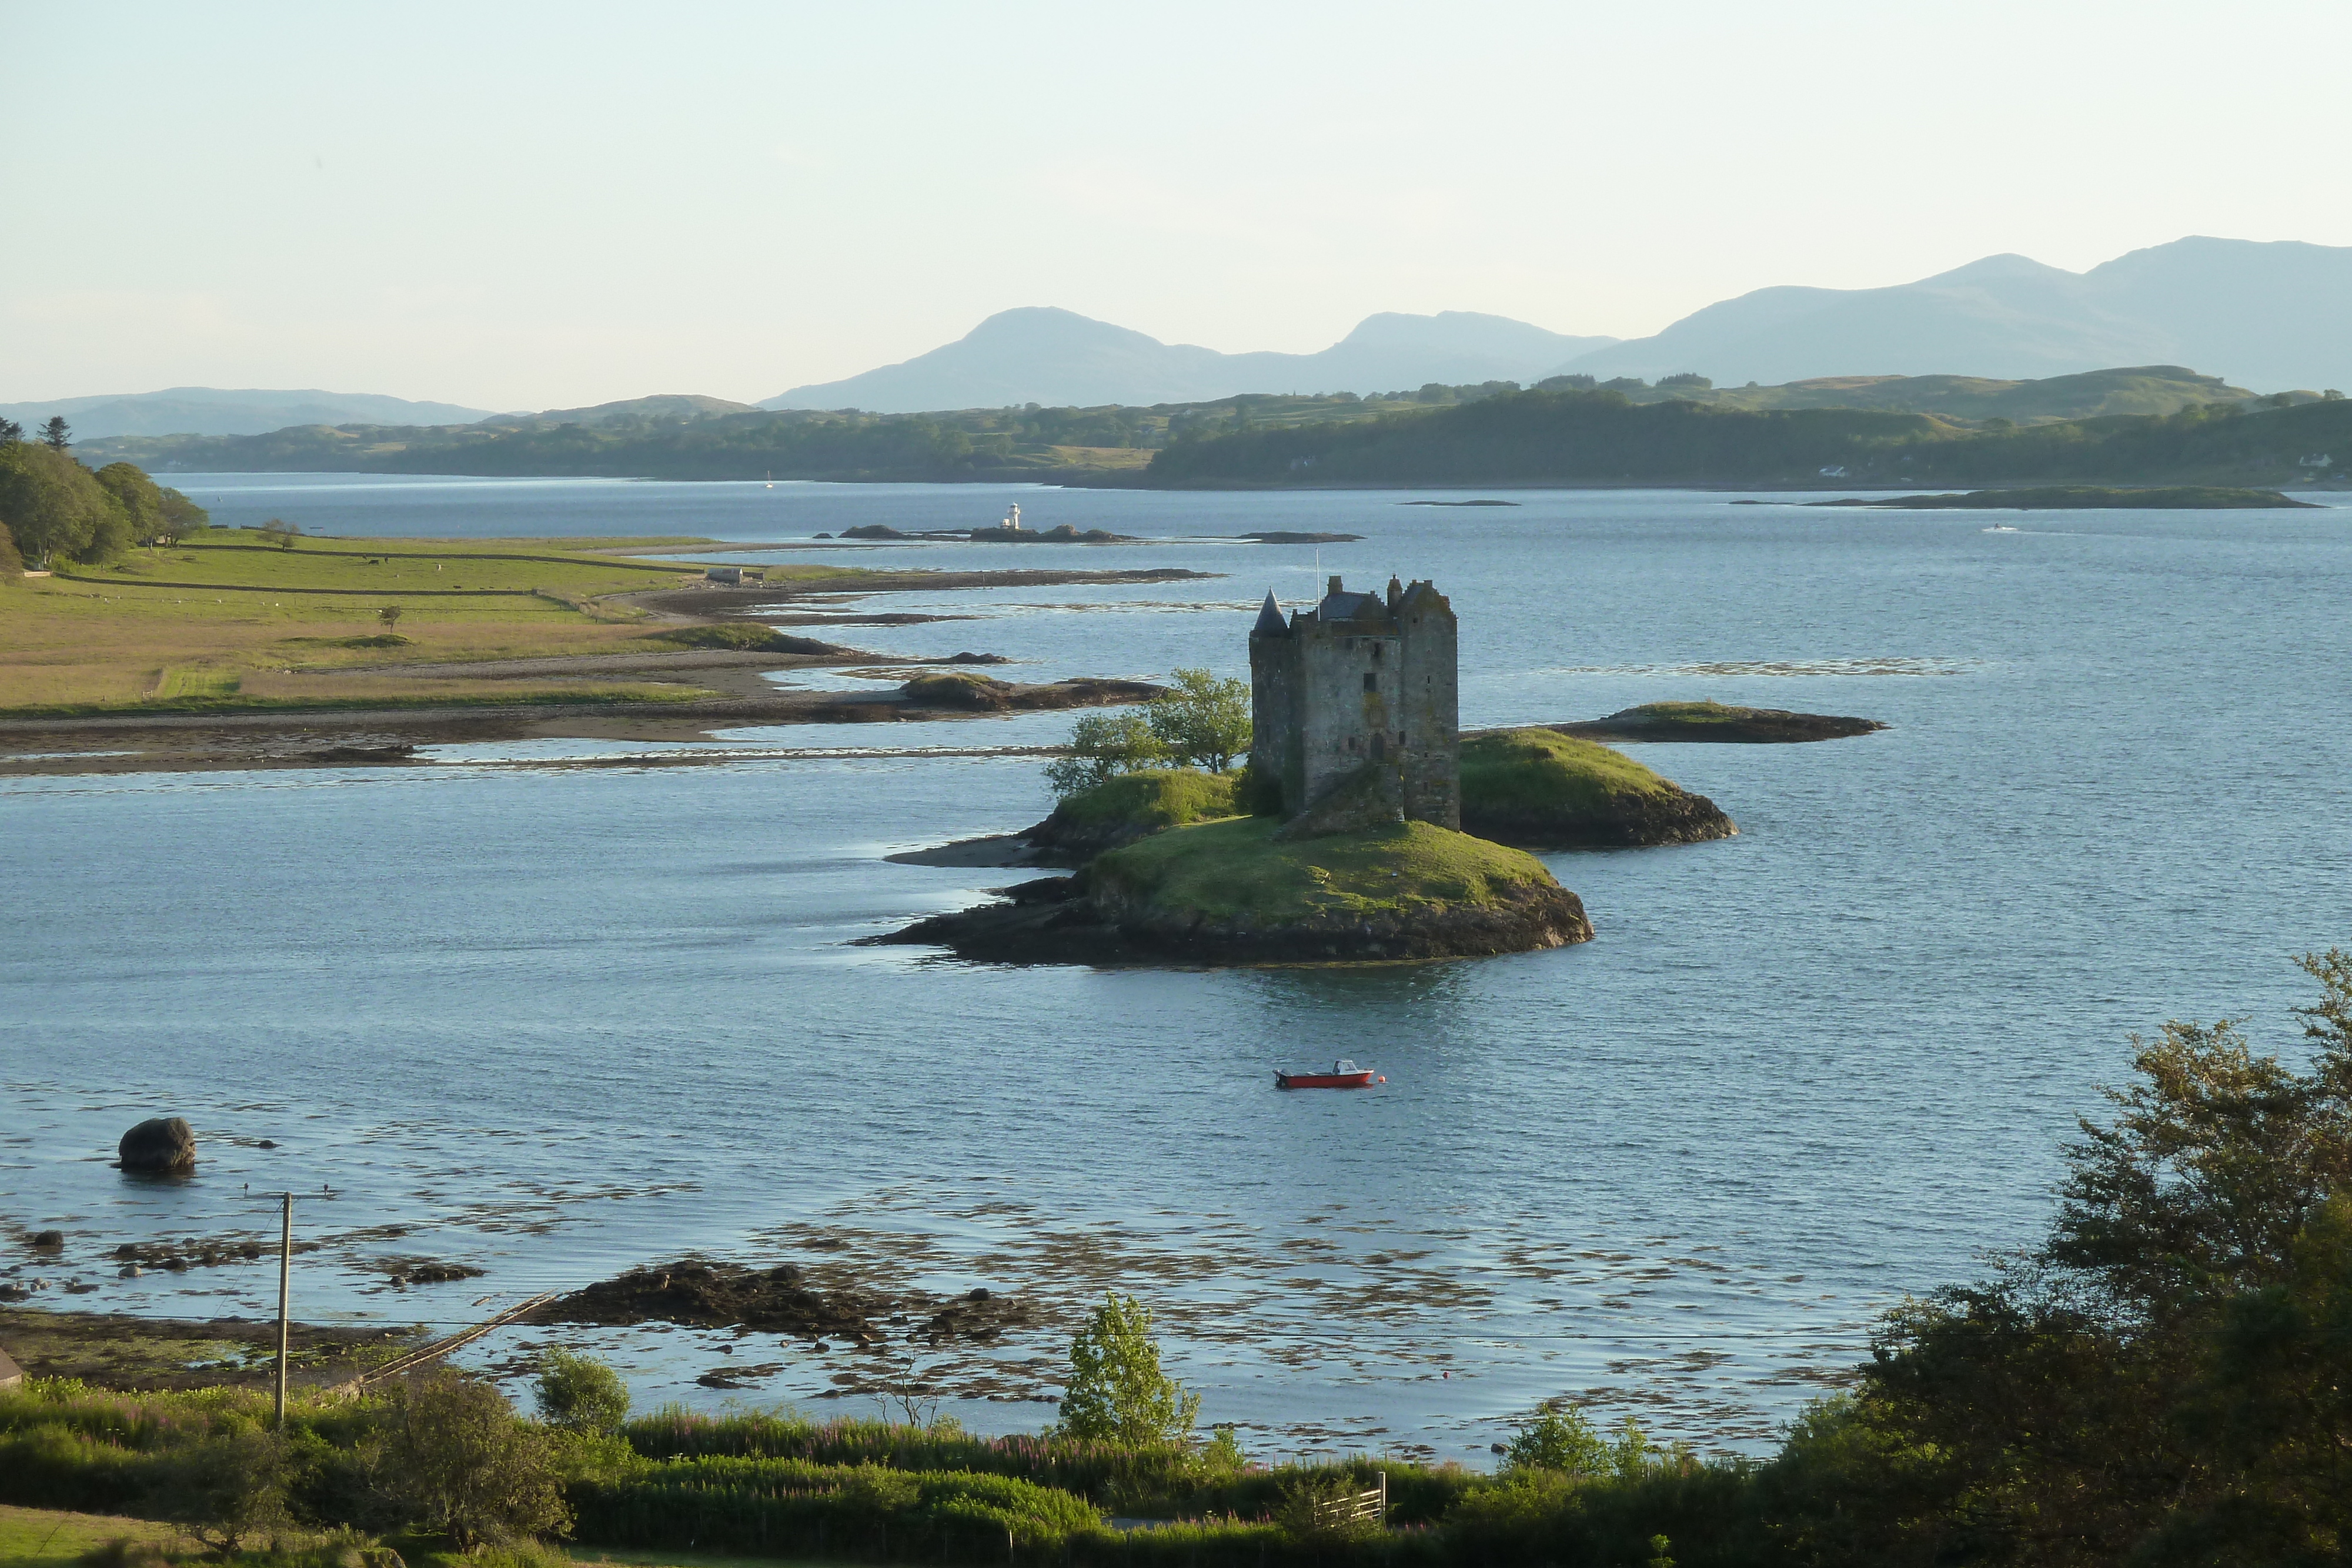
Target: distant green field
(228,621)
(385,568)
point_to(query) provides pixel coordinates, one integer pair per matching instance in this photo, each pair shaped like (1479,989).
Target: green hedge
(872,1491)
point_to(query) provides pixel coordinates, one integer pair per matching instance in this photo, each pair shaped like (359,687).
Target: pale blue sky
(544,206)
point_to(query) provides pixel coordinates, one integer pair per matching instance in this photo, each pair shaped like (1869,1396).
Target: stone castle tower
(1357,707)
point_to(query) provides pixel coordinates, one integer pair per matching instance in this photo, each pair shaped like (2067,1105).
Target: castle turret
(1274,701)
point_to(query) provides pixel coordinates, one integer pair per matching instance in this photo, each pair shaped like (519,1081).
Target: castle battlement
(1362,691)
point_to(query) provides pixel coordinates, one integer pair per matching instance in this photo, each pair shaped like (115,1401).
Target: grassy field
(228,623)
(48,1538)
(1234,868)
(45,1538)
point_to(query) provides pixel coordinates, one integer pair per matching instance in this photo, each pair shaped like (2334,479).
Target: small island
(1365,827)
(1718,723)
(1235,891)
(2089,497)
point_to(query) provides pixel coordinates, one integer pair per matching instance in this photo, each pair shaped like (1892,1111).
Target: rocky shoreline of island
(1099,917)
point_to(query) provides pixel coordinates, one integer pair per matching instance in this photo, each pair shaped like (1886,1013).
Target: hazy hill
(709,438)
(1043,355)
(2141,388)
(2267,315)
(670,407)
(211,411)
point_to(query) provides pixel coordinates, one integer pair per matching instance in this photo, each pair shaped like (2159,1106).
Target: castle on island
(1356,707)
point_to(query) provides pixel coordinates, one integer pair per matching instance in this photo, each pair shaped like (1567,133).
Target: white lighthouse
(1012,521)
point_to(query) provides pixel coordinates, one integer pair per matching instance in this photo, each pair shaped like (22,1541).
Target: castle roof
(1270,623)
(1424,595)
(1341,605)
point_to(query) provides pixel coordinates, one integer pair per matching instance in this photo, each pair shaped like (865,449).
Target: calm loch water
(555,1022)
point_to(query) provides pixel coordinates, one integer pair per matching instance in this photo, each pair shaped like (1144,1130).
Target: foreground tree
(181,517)
(2167,1378)
(230,1486)
(457,1462)
(142,502)
(1117,1393)
(55,509)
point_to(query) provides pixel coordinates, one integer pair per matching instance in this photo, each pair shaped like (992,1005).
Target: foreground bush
(455,1461)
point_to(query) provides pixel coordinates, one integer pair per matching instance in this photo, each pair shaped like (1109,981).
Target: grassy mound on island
(1131,806)
(1228,891)
(1544,790)
(1235,870)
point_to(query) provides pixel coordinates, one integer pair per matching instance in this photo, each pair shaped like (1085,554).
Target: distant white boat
(2001,529)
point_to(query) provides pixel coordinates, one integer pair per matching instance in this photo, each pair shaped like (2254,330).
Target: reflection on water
(556,1020)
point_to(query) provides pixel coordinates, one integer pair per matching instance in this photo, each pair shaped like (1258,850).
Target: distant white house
(1835,472)
(735,574)
(2316,460)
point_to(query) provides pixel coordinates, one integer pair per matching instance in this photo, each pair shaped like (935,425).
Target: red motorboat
(1344,1074)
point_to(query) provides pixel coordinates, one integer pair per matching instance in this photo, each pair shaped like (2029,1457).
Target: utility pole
(284,1286)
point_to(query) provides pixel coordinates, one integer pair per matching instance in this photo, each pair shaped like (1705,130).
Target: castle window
(1371,680)
(1376,653)
(1380,748)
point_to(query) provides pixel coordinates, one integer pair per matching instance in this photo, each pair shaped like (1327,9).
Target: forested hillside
(2143,425)
(1599,437)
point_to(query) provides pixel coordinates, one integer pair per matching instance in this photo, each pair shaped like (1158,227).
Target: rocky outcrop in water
(161,1146)
(783,1299)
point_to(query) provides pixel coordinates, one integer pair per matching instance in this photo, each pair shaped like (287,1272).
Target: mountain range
(1044,355)
(212,410)
(2274,315)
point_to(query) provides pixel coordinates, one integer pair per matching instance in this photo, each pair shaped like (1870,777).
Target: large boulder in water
(166,1145)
